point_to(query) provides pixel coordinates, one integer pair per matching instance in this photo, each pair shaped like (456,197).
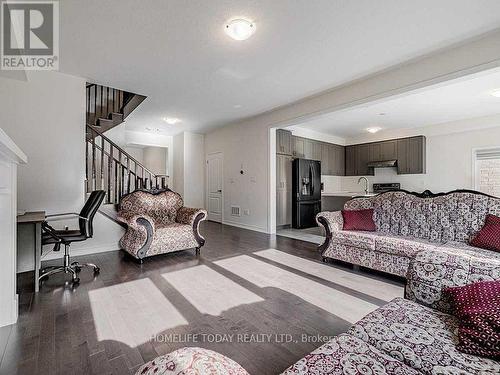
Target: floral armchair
(157,223)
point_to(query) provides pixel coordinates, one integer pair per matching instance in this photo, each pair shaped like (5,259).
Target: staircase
(108,166)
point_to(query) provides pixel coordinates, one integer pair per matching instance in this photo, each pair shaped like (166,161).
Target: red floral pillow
(359,220)
(478,308)
(489,236)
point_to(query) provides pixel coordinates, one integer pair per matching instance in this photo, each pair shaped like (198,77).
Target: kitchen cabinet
(337,161)
(317,150)
(362,160)
(283,142)
(381,151)
(283,190)
(326,159)
(298,147)
(411,155)
(350,161)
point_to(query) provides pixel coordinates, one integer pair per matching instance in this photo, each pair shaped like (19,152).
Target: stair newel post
(95,105)
(102,102)
(110,166)
(86,164)
(107,101)
(135,175)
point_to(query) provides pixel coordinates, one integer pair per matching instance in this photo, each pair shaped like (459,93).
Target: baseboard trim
(245,226)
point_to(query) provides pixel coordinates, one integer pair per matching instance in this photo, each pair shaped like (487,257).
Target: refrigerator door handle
(311,172)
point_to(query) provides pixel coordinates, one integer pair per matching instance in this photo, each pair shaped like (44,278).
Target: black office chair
(66,237)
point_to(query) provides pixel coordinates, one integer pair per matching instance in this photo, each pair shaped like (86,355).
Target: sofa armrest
(431,271)
(187,215)
(331,220)
(135,221)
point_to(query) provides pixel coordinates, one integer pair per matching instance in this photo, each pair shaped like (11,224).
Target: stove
(383,187)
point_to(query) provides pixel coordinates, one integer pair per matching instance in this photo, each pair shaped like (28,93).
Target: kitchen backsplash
(333,184)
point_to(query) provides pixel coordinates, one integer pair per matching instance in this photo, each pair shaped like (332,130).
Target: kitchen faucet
(366,183)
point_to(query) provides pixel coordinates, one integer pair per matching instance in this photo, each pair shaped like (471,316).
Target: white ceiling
(455,100)
(176,53)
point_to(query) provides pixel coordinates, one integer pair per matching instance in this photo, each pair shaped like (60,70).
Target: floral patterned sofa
(157,223)
(407,223)
(416,335)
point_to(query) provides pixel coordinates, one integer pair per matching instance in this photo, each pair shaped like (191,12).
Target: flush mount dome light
(496,93)
(240,29)
(373,130)
(171,120)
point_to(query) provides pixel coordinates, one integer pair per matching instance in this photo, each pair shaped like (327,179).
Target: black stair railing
(110,168)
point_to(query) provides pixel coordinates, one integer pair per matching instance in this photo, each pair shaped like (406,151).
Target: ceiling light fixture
(171,120)
(496,93)
(240,29)
(373,130)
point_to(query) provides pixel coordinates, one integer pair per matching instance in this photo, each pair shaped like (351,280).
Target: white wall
(194,170)
(45,116)
(178,163)
(244,148)
(155,159)
(136,152)
(189,168)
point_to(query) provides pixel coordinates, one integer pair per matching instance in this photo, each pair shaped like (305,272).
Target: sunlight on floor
(264,275)
(209,291)
(375,288)
(132,312)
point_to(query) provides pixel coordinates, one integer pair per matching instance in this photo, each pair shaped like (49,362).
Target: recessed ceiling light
(171,120)
(373,130)
(496,93)
(237,106)
(240,29)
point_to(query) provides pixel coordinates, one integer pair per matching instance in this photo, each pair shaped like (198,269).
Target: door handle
(219,191)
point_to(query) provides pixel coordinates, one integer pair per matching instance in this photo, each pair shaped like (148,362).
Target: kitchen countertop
(347,194)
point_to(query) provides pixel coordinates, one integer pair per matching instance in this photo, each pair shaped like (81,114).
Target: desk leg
(38,254)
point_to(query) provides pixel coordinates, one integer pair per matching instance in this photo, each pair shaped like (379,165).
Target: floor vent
(235,211)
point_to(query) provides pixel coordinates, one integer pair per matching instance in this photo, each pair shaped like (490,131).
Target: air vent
(235,211)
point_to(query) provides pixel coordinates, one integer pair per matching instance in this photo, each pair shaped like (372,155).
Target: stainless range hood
(383,164)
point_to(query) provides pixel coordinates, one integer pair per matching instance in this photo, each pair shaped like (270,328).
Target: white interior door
(214,187)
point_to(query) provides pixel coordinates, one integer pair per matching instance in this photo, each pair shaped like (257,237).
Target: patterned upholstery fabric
(430,272)
(405,337)
(477,306)
(191,361)
(407,224)
(158,223)
(422,338)
(346,354)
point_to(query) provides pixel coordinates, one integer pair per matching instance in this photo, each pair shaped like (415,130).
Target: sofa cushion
(358,220)
(477,307)
(359,239)
(172,237)
(454,247)
(423,338)
(402,246)
(347,354)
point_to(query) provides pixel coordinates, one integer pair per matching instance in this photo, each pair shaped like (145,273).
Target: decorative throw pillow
(477,306)
(489,236)
(359,220)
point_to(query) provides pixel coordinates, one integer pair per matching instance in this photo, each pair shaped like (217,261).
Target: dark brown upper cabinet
(332,156)
(283,142)
(381,151)
(411,155)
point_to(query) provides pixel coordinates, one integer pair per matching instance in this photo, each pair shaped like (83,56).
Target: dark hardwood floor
(56,330)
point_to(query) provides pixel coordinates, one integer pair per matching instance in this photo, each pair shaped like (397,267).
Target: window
(487,171)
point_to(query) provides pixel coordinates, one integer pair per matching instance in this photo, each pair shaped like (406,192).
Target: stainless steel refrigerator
(306,193)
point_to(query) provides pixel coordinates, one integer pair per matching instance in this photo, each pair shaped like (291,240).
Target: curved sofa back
(160,206)
(453,216)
